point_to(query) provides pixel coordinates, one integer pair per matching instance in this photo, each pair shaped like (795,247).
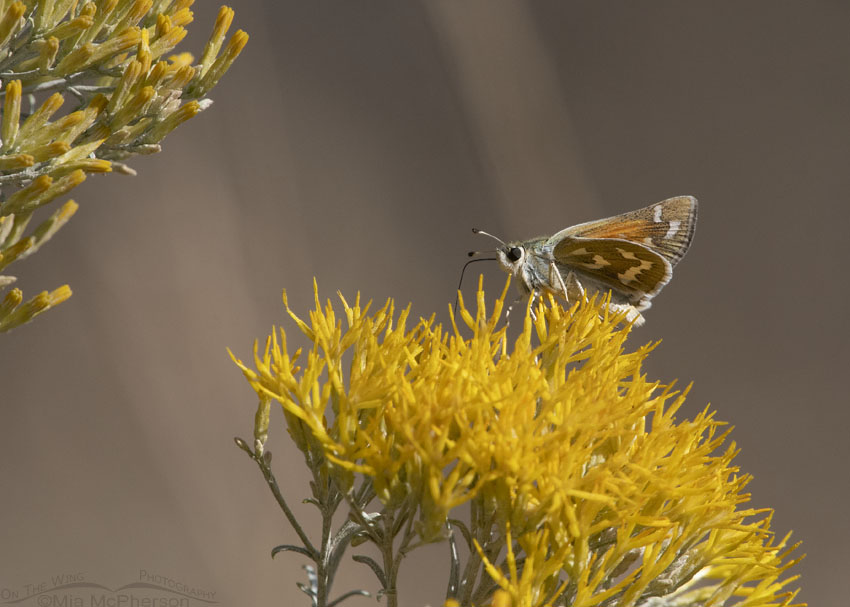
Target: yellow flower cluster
(110,56)
(585,489)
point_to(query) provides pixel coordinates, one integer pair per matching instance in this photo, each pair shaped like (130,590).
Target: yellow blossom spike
(86,118)
(96,135)
(11,300)
(22,314)
(76,60)
(234,46)
(181,78)
(103,13)
(43,15)
(79,152)
(41,191)
(88,11)
(163,25)
(121,8)
(222,24)
(157,74)
(11,114)
(87,165)
(118,43)
(62,186)
(72,27)
(61,8)
(161,6)
(137,10)
(143,52)
(166,42)
(132,133)
(21,199)
(182,17)
(131,75)
(39,118)
(50,150)
(47,54)
(90,53)
(7,222)
(50,226)
(16,251)
(132,109)
(184,113)
(11,21)
(16,161)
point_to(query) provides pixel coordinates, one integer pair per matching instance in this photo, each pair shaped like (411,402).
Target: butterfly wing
(666,227)
(624,266)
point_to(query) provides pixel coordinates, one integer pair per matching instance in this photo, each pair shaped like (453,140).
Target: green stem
(390,562)
(272,482)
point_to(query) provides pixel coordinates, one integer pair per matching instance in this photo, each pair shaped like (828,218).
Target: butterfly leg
(573,288)
(518,299)
(555,274)
(533,296)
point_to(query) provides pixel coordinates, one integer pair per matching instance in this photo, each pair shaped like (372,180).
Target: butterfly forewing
(666,227)
(628,267)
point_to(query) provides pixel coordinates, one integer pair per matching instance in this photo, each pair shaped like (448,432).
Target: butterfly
(630,255)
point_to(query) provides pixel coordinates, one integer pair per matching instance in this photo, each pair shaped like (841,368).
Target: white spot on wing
(674,227)
(657,216)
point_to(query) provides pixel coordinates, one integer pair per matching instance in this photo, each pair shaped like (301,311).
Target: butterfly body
(630,255)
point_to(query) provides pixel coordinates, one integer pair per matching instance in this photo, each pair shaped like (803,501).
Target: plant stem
(390,563)
(272,482)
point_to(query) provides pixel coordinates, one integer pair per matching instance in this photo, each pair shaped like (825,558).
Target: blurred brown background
(359,142)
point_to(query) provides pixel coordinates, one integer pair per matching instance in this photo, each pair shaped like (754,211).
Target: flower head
(585,489)
(107,60)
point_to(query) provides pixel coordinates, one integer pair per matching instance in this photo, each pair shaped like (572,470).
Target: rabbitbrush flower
(583,486)
(109,63)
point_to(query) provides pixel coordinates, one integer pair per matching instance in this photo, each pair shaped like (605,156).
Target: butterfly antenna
(496,238)
(460,282)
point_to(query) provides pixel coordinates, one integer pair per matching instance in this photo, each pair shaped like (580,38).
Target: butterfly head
(510,255)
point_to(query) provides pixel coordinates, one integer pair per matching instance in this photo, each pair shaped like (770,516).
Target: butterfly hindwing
(624,266)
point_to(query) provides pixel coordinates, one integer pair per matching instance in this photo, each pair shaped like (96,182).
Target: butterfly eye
(514,253)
